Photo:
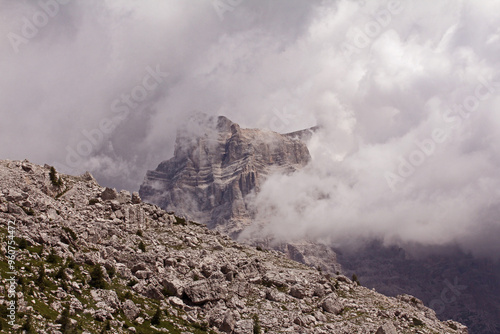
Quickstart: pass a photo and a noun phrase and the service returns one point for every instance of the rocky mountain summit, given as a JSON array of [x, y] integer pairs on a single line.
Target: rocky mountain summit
[[217, 167], [87, 259], [217, 164]]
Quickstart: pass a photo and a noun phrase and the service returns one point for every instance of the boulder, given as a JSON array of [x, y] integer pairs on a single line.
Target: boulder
[[173, 286], [154, 293], [143, 274], [130, 310], [245, 326], [275, 296], [332, 305], [387, 328], [204, 291], [136, 199], [298, 291], [108, 297], [109, 194], [228, 323]]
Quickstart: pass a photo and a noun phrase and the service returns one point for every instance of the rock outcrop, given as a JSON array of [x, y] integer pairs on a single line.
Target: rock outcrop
[[87, 264], [455, 284], [216, 166]]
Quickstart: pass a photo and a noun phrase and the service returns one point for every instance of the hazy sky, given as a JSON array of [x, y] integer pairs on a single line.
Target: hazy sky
[[407, 93]]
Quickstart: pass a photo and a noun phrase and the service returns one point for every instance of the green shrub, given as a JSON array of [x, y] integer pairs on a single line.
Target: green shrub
[[180, 221], [142, 246], [40, 280], [60, 274], [166, 292], [97, 278], [3, 311], [64, 321], [70, 263], [139, 233], [70, 232], [256, 324], [23, 244], [28, 325], [111, 272], [93, 201], [28, 211], [417, 322], [52, 257], [107, 327], [155, 320], [355, 279], [202, 327], [53, 177]]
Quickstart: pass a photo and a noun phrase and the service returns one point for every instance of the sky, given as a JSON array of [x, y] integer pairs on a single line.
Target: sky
[[407, 94]]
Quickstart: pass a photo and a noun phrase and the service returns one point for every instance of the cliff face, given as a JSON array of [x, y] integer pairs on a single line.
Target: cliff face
[[217, 164], [91, 260], [216, 168], [455, 284], [212, 171]]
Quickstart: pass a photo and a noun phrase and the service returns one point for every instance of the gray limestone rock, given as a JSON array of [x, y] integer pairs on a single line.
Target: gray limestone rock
[[211, 173], [173, 286], [200, 292], [332, 305], [228, 323], [136, 199], [387, 328], [257, 297], [130, 310], [109, 194]]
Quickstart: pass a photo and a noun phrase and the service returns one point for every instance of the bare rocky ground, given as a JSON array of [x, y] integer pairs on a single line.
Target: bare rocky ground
[[91, 260]]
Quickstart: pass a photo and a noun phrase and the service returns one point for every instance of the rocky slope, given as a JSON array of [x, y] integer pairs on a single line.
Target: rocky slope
[[215, 167], [198, 179], [88, 259], [455, 284]]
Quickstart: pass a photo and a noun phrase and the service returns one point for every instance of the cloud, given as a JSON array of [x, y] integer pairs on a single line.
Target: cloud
[[72, 68], [387, 80], [408, 149]]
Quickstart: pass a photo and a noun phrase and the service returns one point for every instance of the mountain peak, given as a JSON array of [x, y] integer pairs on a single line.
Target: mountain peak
[[217, 164]]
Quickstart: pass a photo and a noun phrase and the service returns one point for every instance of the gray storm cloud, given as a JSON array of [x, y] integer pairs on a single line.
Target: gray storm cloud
[[407, 94], [408, 150]]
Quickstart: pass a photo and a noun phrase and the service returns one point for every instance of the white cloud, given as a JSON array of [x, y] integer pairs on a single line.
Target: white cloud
[[281, 65]]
